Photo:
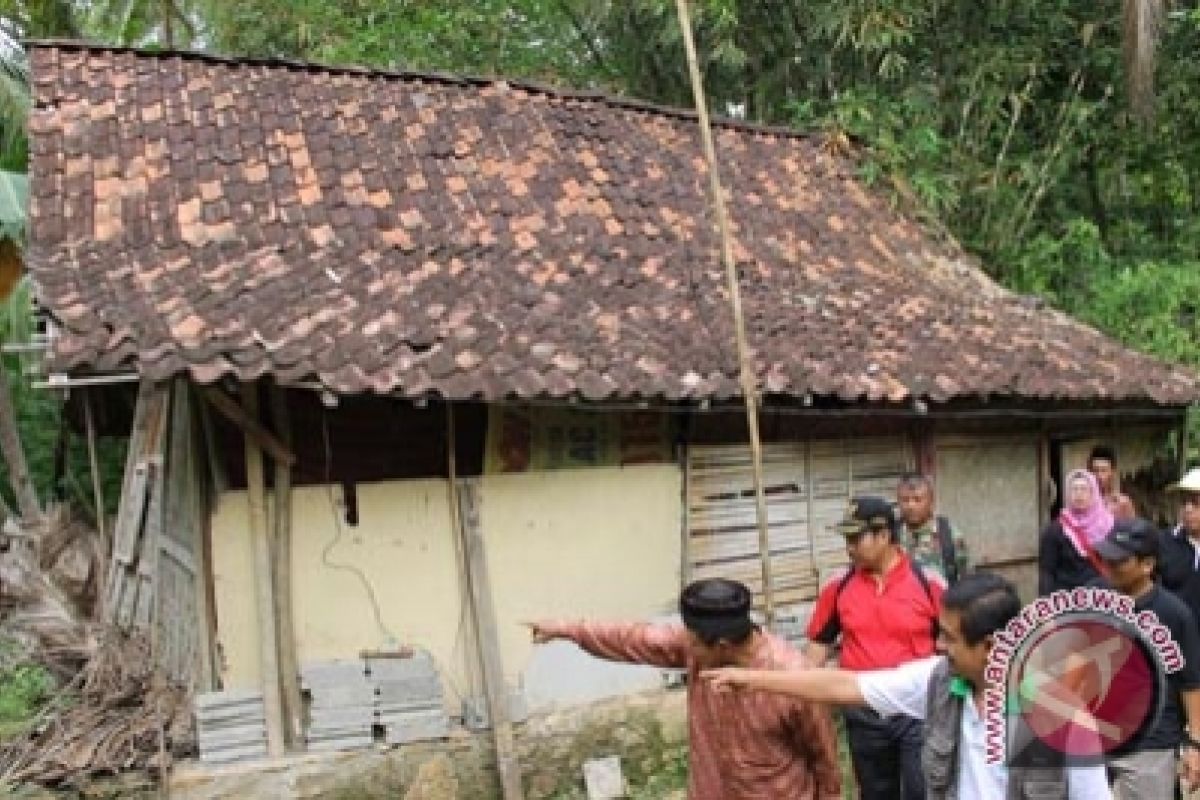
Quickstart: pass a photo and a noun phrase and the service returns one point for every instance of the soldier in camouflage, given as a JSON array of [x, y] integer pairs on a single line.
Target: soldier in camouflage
[[928, 538]]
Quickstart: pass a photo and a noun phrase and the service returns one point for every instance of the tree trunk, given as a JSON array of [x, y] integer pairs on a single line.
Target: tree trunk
[[14, 457]]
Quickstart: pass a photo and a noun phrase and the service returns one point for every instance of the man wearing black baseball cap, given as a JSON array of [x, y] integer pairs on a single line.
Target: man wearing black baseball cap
[[883, 609], [740, 750], [1147, 769]]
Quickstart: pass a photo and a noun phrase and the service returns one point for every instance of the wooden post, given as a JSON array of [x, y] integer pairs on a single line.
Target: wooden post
[[924, 449], [1183, 444], [218, 480], [464, 517], [260, 536], [1043, 474], [749, 382], [94, 465], [282, 562]]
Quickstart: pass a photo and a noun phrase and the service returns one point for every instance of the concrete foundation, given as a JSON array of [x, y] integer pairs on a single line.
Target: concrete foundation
[[643, 730]]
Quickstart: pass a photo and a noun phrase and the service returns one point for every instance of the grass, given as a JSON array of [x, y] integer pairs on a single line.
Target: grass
[[672, 777]]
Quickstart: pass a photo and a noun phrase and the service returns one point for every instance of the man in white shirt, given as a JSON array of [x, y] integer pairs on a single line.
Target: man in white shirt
[[948, 693]]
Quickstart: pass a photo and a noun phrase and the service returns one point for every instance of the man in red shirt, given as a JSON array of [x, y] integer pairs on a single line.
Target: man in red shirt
[[741, 747], [884, 609]]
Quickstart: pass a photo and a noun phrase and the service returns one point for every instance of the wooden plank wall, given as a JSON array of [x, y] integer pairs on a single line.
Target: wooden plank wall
[[808, 484], [155, 577]]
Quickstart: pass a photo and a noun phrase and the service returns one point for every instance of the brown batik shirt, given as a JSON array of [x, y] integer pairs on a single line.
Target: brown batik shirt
[[743, 745]]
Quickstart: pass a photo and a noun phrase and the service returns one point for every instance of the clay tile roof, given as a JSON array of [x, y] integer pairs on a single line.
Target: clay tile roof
[[387, 232]]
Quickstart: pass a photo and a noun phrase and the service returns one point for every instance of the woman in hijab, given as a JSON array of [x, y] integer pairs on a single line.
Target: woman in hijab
[[1066, 558]]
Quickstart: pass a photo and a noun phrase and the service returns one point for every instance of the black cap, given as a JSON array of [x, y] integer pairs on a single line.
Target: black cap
[[1129, 537], [865, 513], [717, 608]]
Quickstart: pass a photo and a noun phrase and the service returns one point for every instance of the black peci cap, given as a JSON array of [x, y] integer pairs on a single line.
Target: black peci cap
[[717, 608]]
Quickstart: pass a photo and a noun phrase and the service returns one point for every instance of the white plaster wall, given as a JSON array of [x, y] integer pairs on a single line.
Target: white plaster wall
[[599, 542], [402, 546]]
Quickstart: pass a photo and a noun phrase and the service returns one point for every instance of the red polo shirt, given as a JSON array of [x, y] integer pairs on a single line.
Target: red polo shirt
[[882, 623]]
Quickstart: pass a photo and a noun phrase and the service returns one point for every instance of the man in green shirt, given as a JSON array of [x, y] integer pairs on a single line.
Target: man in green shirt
[[929, 539]]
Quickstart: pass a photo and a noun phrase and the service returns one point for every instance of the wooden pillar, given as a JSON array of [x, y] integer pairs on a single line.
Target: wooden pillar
[[464, 516], [282, 562], [1043, 474], [264, 594], [924, 449], [94, 467]]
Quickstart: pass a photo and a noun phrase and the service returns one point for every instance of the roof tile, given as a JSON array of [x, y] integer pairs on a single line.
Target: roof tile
[[404, 233]]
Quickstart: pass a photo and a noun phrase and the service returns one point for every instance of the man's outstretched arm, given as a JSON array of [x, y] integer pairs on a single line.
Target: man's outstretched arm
[[635, 643], [837, 686]]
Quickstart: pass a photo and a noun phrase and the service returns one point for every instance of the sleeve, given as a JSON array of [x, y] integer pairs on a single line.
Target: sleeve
[[815, 738], [1088, 783], [824, 626], [962, 550], [640, 643], [902, 690], [937, 588], [1047, 560], [1188, 638], [1172, 571]]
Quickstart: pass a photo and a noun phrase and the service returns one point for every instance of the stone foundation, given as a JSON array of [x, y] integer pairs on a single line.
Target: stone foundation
[[644, 730]]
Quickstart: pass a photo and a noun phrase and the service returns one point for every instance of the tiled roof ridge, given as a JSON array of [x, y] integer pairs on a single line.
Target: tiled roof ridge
[[445, 78]]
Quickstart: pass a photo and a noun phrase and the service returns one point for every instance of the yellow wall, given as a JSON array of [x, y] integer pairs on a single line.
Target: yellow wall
[[602, 542]]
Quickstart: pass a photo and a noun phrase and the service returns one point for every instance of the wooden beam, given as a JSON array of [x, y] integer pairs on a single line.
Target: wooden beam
[[265, 594], [218, 480], [94, 466], [1043, 475], [464, 517], [241, 416], [282, 563]]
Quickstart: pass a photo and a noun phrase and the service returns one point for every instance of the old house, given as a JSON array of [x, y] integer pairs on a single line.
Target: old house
[[383, 280]]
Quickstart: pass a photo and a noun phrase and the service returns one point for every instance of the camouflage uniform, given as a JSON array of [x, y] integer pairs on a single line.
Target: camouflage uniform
[[925, 548]]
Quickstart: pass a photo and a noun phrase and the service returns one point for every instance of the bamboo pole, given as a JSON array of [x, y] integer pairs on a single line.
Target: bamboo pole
[[749, 383], [94, 465], [483, 619], [265, 600], [282, 563]]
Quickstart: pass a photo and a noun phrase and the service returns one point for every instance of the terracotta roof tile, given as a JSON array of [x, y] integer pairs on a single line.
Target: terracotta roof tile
[[383, 232]]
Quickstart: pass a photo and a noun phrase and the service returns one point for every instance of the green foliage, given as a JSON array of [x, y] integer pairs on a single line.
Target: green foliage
[[25, 687], [14, 196], [671, 777], [57, 459], [1152, 305]]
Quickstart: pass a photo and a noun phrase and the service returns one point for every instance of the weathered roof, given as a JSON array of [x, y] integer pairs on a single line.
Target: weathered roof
[[407, 233]]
